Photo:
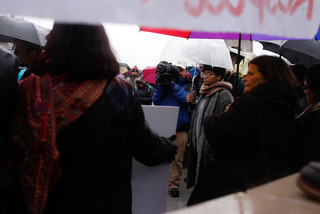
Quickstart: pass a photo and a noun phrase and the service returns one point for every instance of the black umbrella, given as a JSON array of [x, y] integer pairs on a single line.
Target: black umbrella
[[18, 28], [304, 52], [272, 45]]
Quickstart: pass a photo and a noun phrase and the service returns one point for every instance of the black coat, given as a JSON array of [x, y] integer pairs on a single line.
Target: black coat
[[144, 94], [307, 139], [96, 154], [240, 86], [253, 139]]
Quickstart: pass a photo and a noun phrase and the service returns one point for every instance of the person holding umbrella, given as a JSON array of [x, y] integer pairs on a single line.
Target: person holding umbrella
[[252, 141], [67, 130], [215, 97]]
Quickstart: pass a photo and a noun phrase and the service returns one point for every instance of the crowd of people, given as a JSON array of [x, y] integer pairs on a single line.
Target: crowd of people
[[62, 149]]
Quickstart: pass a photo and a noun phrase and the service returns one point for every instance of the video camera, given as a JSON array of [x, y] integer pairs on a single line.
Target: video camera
[[166, 73]]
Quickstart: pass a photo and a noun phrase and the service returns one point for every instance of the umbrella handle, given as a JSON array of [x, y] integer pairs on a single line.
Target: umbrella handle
[[192, 85]]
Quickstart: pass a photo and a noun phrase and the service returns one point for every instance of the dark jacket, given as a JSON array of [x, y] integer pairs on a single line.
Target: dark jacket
[[96, 154], [175, 95], [8, 87], [198, 81], [255, 137], [144, 94], [307, 128], [240, 86]]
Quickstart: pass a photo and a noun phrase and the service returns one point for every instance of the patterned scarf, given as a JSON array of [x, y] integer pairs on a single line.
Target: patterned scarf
[[208, 90], [47, 106]]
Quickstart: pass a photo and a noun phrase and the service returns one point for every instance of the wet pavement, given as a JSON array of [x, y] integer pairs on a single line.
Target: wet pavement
[[181, 201]]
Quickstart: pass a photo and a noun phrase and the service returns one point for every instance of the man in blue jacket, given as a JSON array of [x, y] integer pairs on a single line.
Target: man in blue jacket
[[174, 93]]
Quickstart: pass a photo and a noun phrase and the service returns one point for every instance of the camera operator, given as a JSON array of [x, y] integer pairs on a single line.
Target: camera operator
[[172, 90]]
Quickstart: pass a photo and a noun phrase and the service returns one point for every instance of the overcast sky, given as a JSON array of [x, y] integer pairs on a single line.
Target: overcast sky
[[131, 46]]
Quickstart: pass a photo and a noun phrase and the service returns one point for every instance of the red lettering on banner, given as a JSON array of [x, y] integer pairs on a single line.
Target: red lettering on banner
[[238, 10], [144, 2], [298, 3]]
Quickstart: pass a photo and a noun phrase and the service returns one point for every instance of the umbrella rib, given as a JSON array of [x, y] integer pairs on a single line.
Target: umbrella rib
[[189, 34]]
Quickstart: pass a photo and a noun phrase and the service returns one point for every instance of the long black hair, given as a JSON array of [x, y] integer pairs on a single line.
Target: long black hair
[[80, 51]]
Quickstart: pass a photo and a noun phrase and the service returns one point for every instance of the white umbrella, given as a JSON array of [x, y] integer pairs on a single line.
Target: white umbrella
[[193, 51]]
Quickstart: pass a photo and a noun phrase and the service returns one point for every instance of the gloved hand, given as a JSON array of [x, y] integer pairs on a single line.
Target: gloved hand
[[173, 148], [172, 138], [157, 78]]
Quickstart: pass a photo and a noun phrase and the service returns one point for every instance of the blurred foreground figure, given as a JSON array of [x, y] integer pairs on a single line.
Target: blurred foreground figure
[[253, 140], [8, 88], [71, 153]]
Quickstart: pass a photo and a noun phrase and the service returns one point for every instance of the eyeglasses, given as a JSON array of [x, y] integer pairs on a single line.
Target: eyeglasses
[[207, 74]]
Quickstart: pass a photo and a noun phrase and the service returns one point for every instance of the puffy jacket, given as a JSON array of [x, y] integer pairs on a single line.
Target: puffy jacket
[[175, 95], [144, 94]]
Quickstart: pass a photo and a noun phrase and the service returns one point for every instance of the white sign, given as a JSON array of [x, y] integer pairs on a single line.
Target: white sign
[[150, 184], [288, 18]]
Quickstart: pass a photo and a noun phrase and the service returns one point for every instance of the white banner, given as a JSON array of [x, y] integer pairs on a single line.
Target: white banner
[[289, 18]]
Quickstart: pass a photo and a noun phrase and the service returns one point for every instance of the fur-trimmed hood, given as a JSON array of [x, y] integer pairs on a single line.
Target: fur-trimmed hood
[[137, 81]]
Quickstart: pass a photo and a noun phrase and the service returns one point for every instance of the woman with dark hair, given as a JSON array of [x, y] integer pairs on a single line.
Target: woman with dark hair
[[251, 141], [215, 96], [67, 130], [307, 124]]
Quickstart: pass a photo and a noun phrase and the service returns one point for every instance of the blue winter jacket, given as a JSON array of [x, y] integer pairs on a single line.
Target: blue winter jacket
[[173, 96]]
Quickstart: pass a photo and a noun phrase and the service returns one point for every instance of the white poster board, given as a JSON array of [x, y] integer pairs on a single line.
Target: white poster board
[[150, 184]]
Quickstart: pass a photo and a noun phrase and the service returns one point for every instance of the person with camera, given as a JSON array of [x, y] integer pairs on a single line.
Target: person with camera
[[172, 90]]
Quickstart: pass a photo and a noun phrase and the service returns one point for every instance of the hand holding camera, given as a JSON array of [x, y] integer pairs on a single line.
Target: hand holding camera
[[166, 73]]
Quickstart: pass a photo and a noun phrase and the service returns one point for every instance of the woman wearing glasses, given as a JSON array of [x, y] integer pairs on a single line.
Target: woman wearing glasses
[[307, 124], [214, 98], [253, 140]]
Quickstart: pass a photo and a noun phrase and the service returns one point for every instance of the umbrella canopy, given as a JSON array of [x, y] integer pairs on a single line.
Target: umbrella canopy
[[149, 74], [194, 51], [18, 28], [304, 52], [298, 19], [235, 51], [272, 45], [190, 34]]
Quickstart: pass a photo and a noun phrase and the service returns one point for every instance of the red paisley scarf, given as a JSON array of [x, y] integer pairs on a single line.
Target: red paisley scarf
[[46, 107]]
